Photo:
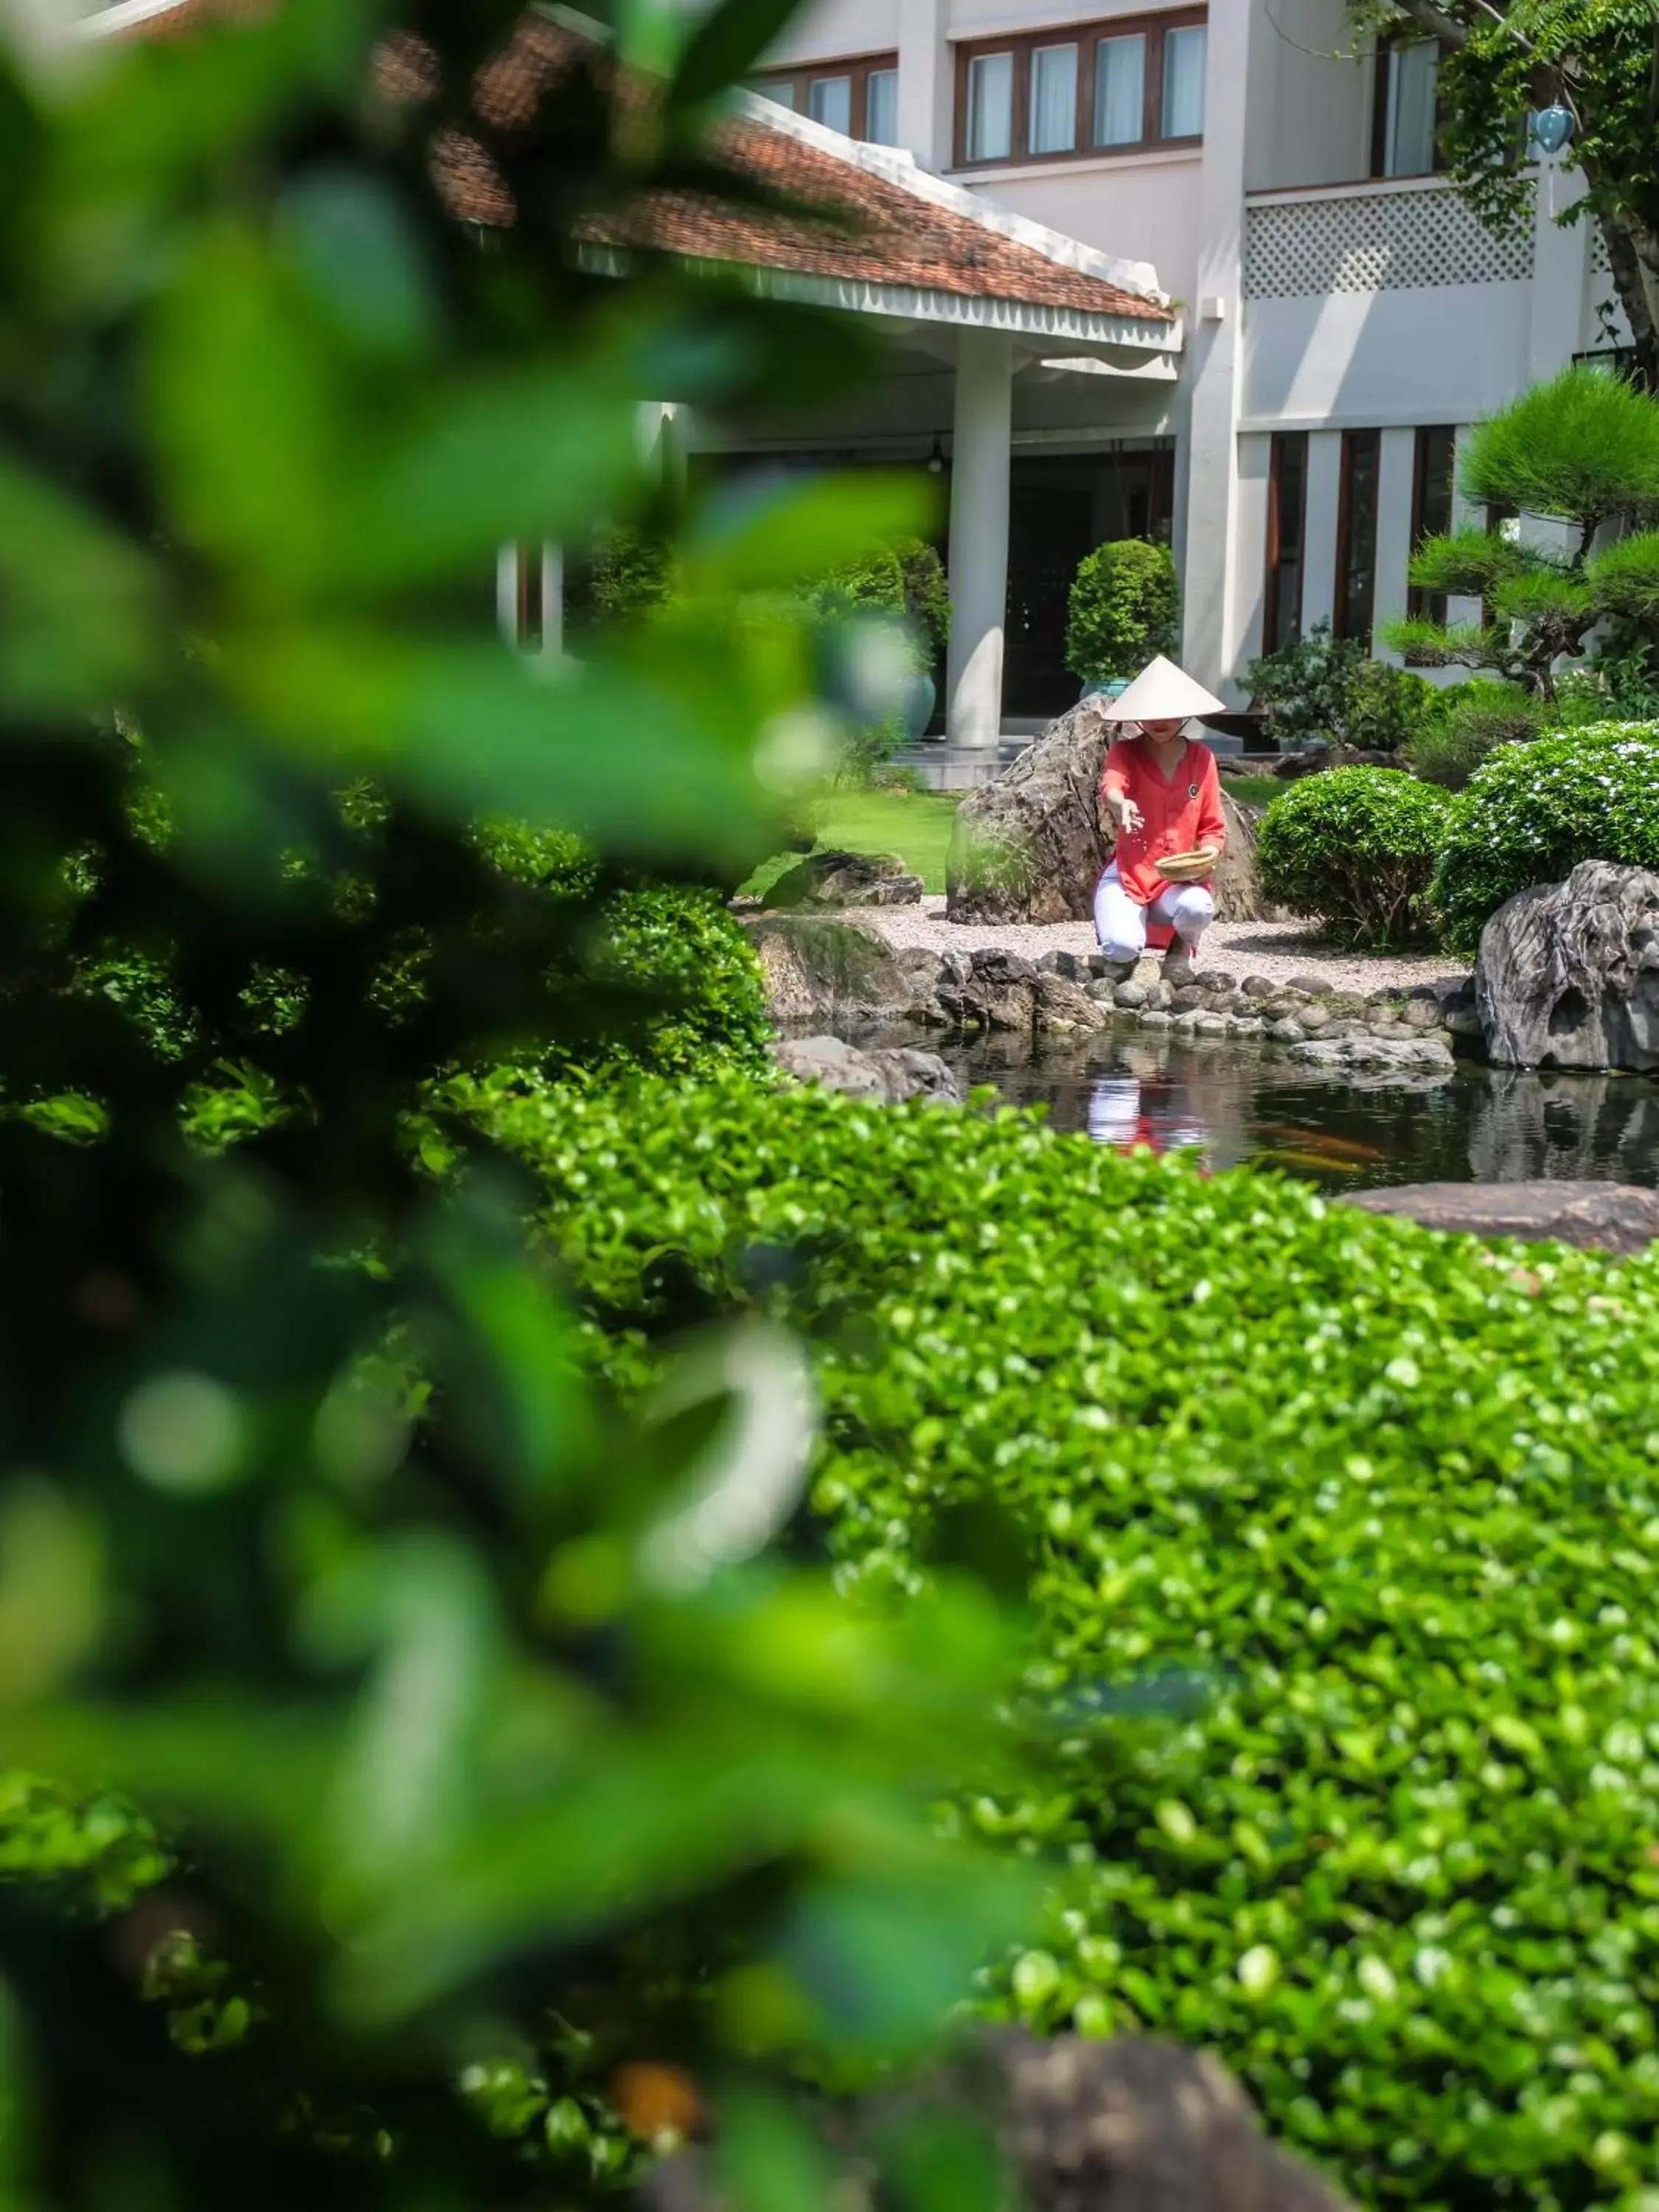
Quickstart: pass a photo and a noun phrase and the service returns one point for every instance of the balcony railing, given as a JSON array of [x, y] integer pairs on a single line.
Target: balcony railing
[[1374, 238]]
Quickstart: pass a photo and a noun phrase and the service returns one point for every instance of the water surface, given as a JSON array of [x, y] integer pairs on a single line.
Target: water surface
[[1239, 1102]]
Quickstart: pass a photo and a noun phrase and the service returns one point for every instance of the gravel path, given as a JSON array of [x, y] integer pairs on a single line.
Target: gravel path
[[1277, 950]]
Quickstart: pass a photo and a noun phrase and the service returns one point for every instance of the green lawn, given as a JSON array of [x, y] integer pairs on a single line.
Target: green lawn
[[1255, 790], [916, 824]]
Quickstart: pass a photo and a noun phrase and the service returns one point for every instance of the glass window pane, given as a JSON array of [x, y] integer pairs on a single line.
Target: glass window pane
[[881, 107], [1054, 99], [1184, 52], [1120, 91], [1411, 72], [830, 101], [990, 107], [779, 89], [1356, 581]]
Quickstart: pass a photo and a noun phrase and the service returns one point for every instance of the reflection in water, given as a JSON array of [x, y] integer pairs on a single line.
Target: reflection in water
[[1240, 1104]]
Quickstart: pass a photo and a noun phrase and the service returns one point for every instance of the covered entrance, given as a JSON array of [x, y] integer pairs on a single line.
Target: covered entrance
[[1060, 507]]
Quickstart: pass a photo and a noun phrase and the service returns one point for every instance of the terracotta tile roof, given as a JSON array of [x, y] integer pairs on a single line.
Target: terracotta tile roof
[[873, 229]]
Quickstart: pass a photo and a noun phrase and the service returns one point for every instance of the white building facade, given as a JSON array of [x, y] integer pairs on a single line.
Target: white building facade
[[1344, 317]]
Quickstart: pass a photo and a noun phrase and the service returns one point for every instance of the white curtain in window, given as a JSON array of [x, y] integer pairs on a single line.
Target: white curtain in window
[[1412, 72], [830, 101], [1184, 54], [1054, 99], [881, 107], [1120, 91], [990, 107]]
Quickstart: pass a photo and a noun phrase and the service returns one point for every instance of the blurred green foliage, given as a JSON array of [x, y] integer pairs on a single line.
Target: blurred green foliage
[[492, 1750], [1345, 1531]]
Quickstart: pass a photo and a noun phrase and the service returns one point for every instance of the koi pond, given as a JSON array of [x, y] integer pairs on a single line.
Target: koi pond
[[1241, 1103]]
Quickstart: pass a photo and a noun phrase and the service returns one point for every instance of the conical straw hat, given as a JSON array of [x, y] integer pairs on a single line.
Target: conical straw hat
[[1162, 693]]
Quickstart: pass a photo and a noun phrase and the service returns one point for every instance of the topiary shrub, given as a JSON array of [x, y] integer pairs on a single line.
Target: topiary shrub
[[1388, 710], [1346, 1546], [1478, 717], [1125, 607], [1531, 812], [629, 576], [926, 595], [1355, 849]]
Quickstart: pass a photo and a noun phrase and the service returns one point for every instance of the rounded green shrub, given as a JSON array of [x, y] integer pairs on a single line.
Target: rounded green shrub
[[1354, 849], [1125, 607], [673, 953], [629, 575], [1346, 1543], [1531, 812], [1478, 717], [926, 595]]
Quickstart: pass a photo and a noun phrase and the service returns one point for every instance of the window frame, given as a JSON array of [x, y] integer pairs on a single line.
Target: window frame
[[1381, 73], [860, 68], [1345, 536], [1422, 605], [1274, 554], [1086, 38]]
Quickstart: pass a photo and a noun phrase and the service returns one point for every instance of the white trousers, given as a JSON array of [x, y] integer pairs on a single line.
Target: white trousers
[[1121, 925]]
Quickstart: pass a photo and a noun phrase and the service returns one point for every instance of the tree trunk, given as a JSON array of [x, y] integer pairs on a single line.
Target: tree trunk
[[1633, 254]]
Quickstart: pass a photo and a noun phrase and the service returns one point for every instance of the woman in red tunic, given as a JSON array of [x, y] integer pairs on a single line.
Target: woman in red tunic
[[1162, 792]]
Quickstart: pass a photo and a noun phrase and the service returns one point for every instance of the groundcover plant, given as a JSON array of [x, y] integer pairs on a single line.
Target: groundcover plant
[[1352, 1531]]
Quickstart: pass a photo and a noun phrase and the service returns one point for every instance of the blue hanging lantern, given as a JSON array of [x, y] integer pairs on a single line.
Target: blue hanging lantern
[[1551, 127]]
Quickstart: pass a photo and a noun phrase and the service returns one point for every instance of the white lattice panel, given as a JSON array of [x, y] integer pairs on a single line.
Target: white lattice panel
[[1375, 242], [1599, 265]]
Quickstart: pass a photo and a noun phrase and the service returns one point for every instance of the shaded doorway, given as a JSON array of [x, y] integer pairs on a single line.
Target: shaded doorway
[[1060, 507]]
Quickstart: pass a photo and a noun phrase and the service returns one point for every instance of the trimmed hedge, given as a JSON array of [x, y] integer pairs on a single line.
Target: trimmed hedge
[[1125, 606], [1531, 812], [1348, 1551], [1355, 849]]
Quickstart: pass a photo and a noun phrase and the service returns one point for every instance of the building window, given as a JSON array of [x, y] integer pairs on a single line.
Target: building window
[[1052, 127], [1287, 517], [1356, 536], [859, 98], [881, 107], [1405, 109], [1432, 465], [1115, 87]]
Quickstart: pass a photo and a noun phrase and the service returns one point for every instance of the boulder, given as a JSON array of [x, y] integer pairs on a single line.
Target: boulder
[[1605, 1217], [892, 1074], [837, 880], [1374, 1052], [1568, 975], [1130, 2125], [817, 968], [1029, 845], [990, 989], [1063, 1005]]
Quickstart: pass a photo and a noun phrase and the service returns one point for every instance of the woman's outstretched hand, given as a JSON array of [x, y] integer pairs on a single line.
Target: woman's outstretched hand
[[1129, 816]]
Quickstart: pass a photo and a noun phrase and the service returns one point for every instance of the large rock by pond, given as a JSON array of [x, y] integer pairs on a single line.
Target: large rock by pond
[[1568, 975], [842, 879], [1130, 2125], [1029, 845], [836, 970], [1605, 1217], [891, 1074]]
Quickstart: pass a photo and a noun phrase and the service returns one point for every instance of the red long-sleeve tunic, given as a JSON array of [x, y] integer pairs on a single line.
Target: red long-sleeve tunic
[[1177, 812]]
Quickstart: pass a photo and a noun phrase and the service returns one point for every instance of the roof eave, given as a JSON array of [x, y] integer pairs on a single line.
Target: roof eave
[[914, 303]]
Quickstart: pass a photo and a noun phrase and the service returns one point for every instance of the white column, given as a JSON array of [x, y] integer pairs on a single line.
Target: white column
[[1250, 546], [925, 78], [1561, 259], [1209, 429], [1319, 531], [1466, 515], [982, 441], [1396, 470]]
